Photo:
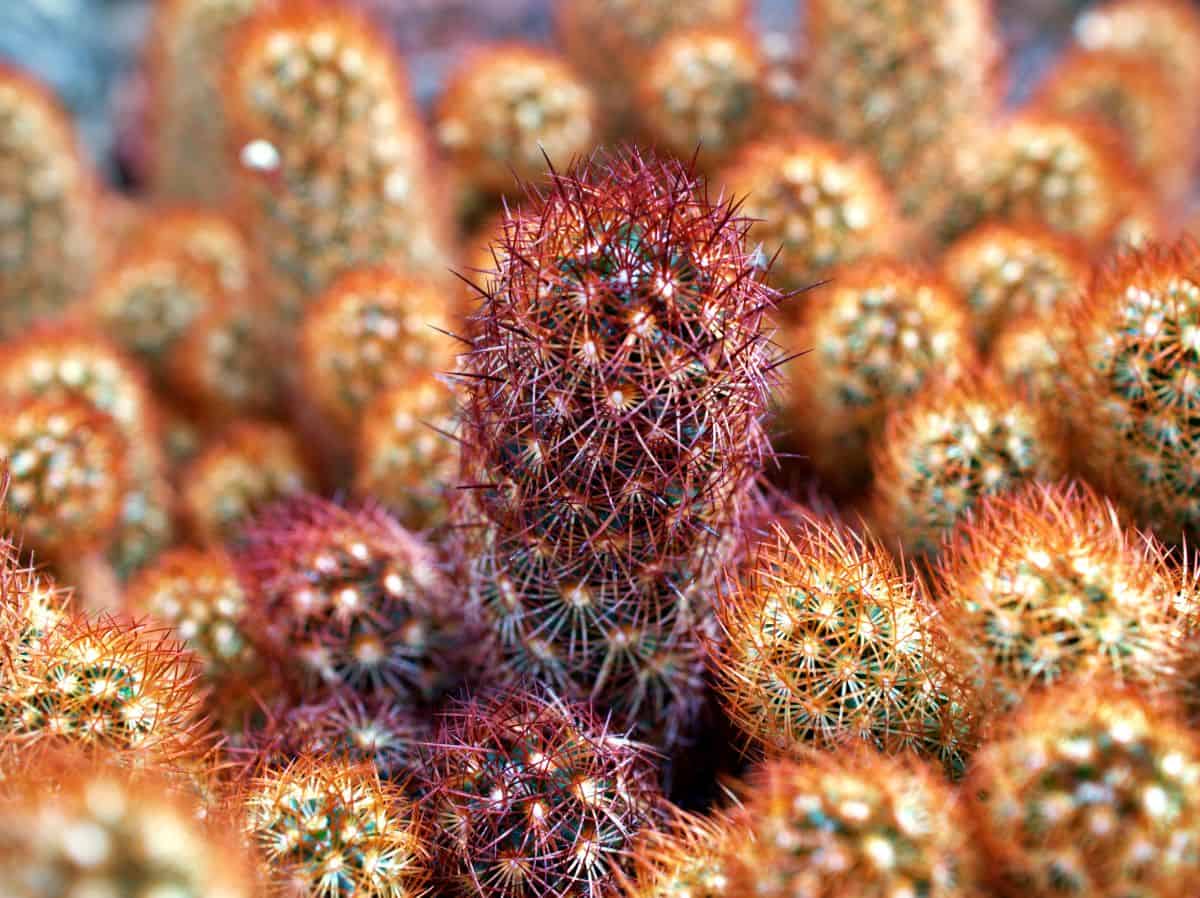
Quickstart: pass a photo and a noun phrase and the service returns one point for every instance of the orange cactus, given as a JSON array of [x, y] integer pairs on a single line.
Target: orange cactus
[[330, 827], [610, 40], [50, 242], [1005, 272], [189, 131], [107, 687], [508, 109], [32, 606], [816, 204], [950, 446], [1134, 96], [852, 824], [371, 330], [1058, 172], [913, 84], [1047, 582], [1134, 371], [1028, 354], [685, 857], [240, 472], [407, 454], [827, 643], [703, 92], [334, 170], [70, 825], [1089, 789], [872, 337]]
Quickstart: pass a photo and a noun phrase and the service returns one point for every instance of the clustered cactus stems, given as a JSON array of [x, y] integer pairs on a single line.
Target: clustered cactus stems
[[703, 93], [685, 856], [611, 40], [1134, 367], [369, 331], [223, 366], [245, 469], [335, 172], [1059, 172], [951, 445], [1005, 272], [855, 823], [73, 826], [32, 606], [507, 110], [875, 334], [407, 454], [1047, 582], [815, 204], [189, 132], [1027, 354], [1089, 789], [913, 84], [68, 466], [531, 798], [347, 597], [327, 826], [827, 643], [613, 405], [1135, 97], [50, 243], [106, 687], [342, 724]]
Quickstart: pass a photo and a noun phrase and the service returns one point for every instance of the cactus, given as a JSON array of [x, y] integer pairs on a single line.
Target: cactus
[[1027, 354], [329, 827], [875, 334], [222, 367], [611, 40], [69, 474], [49, 237], [703, 93], [407, 456], [334, 170], [199, 595], [73, 363], [1089, 789], [509, 108], [828, 643], [237, 474], [189, 132], [342, 725], [1135, 97], [32, 606], [815, 204], [348, 597], [912, 83], [856, 823], [1047, 582], [369, 331], [612, 427], [109, 688], [1058, 172], [532, 799], [1005, 272], [1133, 368], [951, 445], [70, 826], [685, 857]]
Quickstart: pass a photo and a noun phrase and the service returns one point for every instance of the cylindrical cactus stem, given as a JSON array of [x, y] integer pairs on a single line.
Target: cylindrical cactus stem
[[613, 409], [189, 133], [911, 82], [50, 242], [333, 168]]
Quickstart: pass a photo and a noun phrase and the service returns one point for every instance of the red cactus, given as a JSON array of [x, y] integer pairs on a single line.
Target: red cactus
[[532, 799], [348, 597]]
